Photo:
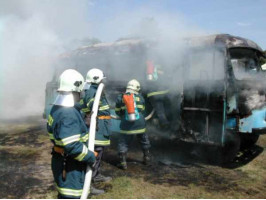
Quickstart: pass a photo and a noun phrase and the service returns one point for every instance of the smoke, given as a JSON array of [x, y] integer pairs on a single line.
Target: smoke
[[33, 33], [251, 95]]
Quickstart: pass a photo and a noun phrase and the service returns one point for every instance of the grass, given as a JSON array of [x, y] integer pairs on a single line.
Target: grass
[[247, 181], [51, 194], [26, 152], [137, 188], [9, 128], [19, 152], [121, 187], [43, 138], [138, 182]]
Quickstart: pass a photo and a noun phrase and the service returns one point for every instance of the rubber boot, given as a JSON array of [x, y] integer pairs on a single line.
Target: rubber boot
[[146, 157], [101, 179], [122, 161], [95, 191]]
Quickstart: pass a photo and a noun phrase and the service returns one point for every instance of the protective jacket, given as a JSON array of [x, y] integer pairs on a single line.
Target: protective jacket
[[131, 127], [156, 91], [69, 134], [156, 94], [103, 132]]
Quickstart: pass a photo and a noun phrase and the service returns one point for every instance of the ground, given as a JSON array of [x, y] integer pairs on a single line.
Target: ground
[[178, 170]]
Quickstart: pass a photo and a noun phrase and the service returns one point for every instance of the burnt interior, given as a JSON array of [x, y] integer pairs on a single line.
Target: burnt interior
[[203, 96], [249, 80], [202, 111]]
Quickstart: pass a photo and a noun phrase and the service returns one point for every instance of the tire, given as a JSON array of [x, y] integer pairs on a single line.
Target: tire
[[248, 140]]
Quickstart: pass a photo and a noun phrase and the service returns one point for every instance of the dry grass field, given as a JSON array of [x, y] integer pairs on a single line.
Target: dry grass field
[[176, 171]]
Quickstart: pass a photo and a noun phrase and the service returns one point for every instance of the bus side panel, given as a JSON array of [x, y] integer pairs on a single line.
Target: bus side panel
[[50, 95], [202, 111], [256, 122]]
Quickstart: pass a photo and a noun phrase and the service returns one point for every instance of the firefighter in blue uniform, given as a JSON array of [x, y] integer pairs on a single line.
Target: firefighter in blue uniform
[[68, 132], [102, 139], [130, 127], [157, 92]]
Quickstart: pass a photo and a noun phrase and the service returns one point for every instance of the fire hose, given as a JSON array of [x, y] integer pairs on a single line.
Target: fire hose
[[88, 176]]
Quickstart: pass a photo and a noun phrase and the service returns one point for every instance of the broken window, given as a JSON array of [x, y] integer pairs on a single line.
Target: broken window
[[206, 64], [245, 64]]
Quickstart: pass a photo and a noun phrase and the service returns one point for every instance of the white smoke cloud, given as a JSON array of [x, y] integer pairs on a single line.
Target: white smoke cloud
[[33, 33]]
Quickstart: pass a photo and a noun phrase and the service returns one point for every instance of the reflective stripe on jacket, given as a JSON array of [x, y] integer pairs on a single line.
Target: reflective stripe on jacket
[[66, 129], [129, 127], [102, 137]]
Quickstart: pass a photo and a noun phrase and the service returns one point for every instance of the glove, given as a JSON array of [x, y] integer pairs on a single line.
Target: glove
[[92, 165], [88, 119]]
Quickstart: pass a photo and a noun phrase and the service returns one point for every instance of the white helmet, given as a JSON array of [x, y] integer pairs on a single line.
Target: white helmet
[[94, 76], [70, 81], [133, 85]]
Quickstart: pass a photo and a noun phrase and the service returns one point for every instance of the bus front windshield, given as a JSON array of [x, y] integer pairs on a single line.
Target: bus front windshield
[[245, 64]]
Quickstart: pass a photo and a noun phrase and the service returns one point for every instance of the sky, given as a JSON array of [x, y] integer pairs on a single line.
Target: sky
[[34, 32], [245, 18], [110, 19]]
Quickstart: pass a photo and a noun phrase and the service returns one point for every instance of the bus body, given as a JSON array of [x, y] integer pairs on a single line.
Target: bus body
[[222, 85], [223, 92]]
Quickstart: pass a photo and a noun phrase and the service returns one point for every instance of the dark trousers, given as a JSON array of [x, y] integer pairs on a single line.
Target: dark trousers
[[100, 151], [126, 139], [71, 186], [158, 105]]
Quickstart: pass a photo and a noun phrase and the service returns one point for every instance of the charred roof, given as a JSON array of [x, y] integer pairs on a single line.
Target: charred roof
[[120, 44], [227, 40]]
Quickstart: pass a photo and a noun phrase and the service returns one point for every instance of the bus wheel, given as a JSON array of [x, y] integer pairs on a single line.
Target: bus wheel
[[231, 147], [248, 140]]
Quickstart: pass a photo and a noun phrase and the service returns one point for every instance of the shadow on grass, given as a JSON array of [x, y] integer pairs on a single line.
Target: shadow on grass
[[172, 152], [244, 157], [16, 184], [20, 173], [175, 173], [16, 173], [27, 137], [183, 164]]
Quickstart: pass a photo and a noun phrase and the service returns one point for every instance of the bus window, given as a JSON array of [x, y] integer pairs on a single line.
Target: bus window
[[245, 68], [206, 64]]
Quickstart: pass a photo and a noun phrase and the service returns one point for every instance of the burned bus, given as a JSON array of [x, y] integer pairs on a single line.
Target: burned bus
[[224, 89], [216, 84], [119, 60]]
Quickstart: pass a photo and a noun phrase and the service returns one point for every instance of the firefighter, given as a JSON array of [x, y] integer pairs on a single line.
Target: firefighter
[[130, 106], [157, 92], [68, 133], [102, 138]]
